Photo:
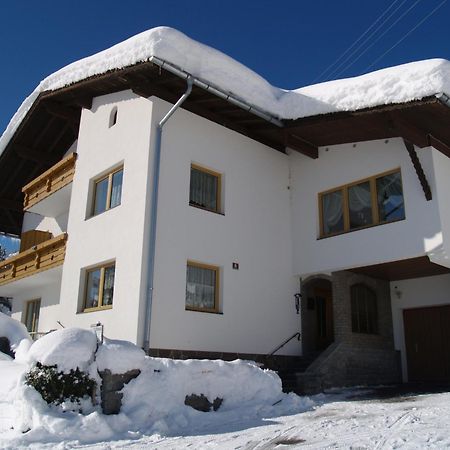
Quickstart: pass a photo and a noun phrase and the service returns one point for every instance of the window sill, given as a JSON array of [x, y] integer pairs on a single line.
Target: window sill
[[98, 308], [103, 212], [208, 311], [339, 233], [206, 209]]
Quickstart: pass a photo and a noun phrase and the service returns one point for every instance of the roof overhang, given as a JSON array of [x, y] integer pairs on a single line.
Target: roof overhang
[[51, 126]]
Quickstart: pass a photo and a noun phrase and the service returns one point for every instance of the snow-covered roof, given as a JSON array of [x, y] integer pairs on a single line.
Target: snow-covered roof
[[398, 84]]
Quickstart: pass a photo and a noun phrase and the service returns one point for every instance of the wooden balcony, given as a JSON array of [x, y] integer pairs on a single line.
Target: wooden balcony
[[36, 259], [51, 181]]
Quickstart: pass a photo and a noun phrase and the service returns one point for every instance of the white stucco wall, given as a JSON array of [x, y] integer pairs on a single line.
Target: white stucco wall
[[48, 293], [256, 301], [441, 254], [55, 225], [417, 235], [116, 234], [415, 293]]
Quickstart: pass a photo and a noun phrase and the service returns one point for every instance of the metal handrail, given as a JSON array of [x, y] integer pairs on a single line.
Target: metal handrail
[[297, 335]]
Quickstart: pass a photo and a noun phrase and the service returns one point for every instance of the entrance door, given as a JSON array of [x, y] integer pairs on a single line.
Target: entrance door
[[324, 316], [427, 339]]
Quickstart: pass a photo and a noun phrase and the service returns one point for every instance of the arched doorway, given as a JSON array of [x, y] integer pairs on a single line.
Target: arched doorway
[[317, 315]]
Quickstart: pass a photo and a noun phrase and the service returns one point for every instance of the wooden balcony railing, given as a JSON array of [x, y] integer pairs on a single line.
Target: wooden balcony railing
[[55, 178], [41, 257]]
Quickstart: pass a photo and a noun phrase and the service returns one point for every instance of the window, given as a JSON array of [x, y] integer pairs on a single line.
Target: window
[[113, 117], [373, 201], [204, 190], [99, 287], [32, 315], [202, 284], [364, 309], [108, 192]]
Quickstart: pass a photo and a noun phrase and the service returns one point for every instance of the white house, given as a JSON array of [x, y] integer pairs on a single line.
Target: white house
[[227, 224]]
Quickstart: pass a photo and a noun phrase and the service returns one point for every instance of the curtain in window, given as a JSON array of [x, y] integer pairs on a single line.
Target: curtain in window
[[108, 286], [333, 215], [203, 189], [200, 287], [116, 190], [360, 205], [390, 197]]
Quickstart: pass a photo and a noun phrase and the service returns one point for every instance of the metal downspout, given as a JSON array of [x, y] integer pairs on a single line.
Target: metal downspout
[[154, 212]]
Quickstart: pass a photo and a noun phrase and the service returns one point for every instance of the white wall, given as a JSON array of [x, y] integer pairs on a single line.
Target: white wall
[[419, 292], [257, 300], [50, 308], [441, 253], [116, 234], [55, 225], [418, 234]]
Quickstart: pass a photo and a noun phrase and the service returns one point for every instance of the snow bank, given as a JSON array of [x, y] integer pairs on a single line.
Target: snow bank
[[153, 403], [13, 330], [398, 84], [119, 356], [67, 349]]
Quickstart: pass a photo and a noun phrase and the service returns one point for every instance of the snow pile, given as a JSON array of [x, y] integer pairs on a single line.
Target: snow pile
[[67, 349], [153, 402], [15, 331], [398, 84], [119, 356]]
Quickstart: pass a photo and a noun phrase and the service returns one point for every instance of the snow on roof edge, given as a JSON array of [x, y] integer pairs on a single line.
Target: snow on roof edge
[[399, 84]]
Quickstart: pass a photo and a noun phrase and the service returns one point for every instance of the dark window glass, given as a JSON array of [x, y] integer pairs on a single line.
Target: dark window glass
[[360, 205], [332, 210], [101, 195], [32, 315], [364, 309], [93, 289], [201, 288], [390, 197], [203, 190], [116, 190]]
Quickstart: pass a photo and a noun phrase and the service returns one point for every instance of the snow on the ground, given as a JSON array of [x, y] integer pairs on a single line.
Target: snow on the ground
[[336, 420], [13, 330], [153, 402], [393, 85]]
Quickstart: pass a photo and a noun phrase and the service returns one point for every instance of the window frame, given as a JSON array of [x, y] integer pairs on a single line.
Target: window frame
[[345, 204], [102, 268], [216, 269], [109, 176], [35, 323], [217, 175], [358, 301]]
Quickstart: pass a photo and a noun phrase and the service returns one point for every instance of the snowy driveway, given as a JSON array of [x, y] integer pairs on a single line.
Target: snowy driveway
[[414, 422]]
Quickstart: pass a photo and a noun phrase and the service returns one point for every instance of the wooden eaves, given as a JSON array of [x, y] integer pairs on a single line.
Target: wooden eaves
[[51, 126]]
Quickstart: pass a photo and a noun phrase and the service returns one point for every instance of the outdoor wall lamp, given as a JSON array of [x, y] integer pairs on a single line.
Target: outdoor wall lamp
[[297, 298]]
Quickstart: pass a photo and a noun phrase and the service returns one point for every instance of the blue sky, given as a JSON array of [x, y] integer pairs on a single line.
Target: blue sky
[[290, 43]]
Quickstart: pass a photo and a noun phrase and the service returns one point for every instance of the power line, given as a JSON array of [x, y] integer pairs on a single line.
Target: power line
[[406, 35], [357, 40], [337, 73]]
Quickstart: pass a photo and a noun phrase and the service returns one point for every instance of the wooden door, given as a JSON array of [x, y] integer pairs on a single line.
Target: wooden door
[[324, 317], [427, 339]]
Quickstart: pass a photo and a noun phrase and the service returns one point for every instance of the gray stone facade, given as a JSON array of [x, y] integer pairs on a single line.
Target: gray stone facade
[[355, 358]]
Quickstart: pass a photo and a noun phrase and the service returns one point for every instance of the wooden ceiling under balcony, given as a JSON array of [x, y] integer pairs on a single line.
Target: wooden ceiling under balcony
[[51, 126]]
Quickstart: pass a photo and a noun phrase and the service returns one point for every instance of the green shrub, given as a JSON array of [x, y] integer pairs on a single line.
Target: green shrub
[[57, 387]]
